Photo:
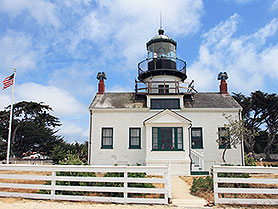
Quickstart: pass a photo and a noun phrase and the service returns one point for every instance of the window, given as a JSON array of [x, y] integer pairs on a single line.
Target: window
[[224, 136], [163, 89], [196, 138], [107, 138], [165, 103], [167, 139], [134, 138]]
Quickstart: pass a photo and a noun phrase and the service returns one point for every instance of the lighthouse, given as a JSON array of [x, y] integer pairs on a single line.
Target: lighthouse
[[162, 71], [165, 120]]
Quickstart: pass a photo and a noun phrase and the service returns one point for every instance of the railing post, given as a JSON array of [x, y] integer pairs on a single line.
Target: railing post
[[53, 185], [125, 185], [215, 185]]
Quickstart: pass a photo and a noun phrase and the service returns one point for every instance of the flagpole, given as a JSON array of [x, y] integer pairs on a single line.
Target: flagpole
[[10, 125]]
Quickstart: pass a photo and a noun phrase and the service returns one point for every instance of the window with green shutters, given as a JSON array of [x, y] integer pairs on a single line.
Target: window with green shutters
[[134, 138], [167, 138]]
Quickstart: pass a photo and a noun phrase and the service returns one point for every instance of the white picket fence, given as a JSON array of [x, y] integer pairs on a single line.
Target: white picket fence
[[163, 177], [259, 175]]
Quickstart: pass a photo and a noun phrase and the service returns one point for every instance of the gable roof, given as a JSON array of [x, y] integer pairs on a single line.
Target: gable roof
[[163, 117], [129, 100], [211, 100]]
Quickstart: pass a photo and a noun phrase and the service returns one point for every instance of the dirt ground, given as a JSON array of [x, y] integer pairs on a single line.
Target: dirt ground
[[18, 203]]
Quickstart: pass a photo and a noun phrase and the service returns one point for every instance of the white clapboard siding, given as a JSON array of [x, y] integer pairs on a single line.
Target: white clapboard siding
[[259, 181], [162, 171]]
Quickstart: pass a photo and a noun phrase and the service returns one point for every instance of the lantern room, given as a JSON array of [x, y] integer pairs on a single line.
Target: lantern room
[[161, 59]]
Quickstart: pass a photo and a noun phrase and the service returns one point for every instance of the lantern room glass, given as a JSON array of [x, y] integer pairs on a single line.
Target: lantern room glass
[[162, 50]]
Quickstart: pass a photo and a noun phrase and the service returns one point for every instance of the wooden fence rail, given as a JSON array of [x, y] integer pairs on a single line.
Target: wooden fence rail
[[261, 181], [44, 178]]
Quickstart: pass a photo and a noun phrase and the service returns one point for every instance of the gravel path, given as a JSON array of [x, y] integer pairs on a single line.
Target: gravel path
[[17, 203]]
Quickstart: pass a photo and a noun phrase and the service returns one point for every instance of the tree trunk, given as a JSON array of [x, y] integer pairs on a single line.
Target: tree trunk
[[223, 154], [249, 144], [270, 141]]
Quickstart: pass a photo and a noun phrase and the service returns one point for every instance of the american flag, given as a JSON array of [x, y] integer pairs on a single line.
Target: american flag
[[8, 81]]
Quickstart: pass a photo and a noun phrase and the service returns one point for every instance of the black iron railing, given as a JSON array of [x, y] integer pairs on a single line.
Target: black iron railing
[[161, 64]]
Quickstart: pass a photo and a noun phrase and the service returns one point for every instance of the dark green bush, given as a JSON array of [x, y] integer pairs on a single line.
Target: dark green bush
[[249, 161], [202, 184]]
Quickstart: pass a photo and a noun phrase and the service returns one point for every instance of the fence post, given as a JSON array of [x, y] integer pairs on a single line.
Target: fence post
[[215, 185], [53, 185], [169, 179], [125, 185]]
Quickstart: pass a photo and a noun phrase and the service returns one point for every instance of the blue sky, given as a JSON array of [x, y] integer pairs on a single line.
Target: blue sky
[[59, 46]]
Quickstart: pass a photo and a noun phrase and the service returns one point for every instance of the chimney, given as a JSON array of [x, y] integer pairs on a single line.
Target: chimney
[[101, 87], [223, 87], [223, 76]]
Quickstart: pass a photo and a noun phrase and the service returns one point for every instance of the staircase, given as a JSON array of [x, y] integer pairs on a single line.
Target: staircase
[[197, 162]]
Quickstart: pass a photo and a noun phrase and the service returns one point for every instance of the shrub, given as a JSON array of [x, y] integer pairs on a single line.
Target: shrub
[[249, 161], [202, 184]]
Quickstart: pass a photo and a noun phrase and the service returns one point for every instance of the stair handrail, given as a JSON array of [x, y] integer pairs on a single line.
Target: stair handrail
[[200, 156]]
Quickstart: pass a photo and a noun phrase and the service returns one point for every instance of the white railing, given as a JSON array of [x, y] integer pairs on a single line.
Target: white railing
[[197, 160], [262, 181], [46, 180]]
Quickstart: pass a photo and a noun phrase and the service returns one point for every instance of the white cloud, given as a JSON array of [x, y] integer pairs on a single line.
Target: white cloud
[[17, 51], [43, 11], [274, 5], [73, 132], [127, 25], [77, 81], [62, 102], [5, 99], [247, 58]]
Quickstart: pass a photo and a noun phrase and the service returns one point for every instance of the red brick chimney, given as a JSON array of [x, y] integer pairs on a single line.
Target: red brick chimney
[[223, 87], [223, 76], [101, 87]]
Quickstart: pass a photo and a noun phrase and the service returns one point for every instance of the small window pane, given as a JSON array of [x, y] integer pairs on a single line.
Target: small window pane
[[155, 138], [196, 133]]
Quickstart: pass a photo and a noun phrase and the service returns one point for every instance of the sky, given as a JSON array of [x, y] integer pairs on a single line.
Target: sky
[[58, 47]]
